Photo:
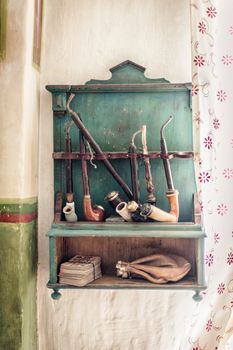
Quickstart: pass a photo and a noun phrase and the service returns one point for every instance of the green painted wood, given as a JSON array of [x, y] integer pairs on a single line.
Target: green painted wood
[[133, 284], [18, 206], [127, 72], [113, 110], [126, 231], [58, 88], [3, 24], [56, 294], [104, 87], [129, 226], [197, 296], [53, 260], [129, 233], [131, 88], [18, 265], [59, 102], [112, 118]]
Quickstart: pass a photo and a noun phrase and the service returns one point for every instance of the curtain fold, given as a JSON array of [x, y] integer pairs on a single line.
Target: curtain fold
[[211, 327]]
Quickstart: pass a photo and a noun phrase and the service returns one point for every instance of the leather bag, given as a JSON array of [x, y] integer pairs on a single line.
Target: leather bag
[[156, 268]]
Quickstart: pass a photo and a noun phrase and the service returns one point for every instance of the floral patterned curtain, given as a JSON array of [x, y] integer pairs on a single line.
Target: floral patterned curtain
[[211, 327]]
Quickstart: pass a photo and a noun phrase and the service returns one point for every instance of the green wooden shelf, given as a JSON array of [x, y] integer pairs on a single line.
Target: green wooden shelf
[[180, 230], [113, 110], [109, 282], [113, 282]]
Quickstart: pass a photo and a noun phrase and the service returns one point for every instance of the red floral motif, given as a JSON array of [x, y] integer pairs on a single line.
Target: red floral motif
[[216, 123], [228, 173], [227, 59], [211, 12], [204, 177], [222, 209], [231, 30], [221, 95], [216, 238], [199, 60], [230, 258], [221, 288], [203, 293], [202, 207], [208, 142], [202, 27], [209, 325], [195, 90], [209, 259], [196, 348], [231, 303], [197, 118]]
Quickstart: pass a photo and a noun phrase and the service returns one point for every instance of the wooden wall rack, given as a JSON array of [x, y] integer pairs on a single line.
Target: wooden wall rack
[[112, 111]]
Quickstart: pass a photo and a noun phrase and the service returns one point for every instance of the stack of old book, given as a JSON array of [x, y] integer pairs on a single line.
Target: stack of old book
[[80, 270]]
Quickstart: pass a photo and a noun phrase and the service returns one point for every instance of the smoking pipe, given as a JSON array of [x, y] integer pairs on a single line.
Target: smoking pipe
[[172, 194], [68, 166], [152, 211], [134, 168], [149, 180], [135, 210], [69, 209], [91, 213], [77, 120]]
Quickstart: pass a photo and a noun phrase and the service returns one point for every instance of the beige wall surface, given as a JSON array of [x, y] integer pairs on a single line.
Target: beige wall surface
[[82, 39], [19, 106]]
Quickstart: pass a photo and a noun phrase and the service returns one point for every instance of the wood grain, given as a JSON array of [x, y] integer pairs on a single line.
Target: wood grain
[[112, 249]]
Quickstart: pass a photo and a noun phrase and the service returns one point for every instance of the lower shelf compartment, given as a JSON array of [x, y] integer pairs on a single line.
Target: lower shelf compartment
[[127, 248], [113, 282]]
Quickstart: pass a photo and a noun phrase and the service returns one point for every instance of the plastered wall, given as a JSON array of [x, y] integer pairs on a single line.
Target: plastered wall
[[19, 114], [82, 39], [19, 105]]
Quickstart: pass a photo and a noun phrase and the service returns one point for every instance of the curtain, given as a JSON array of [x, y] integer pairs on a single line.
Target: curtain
[[211, 327]]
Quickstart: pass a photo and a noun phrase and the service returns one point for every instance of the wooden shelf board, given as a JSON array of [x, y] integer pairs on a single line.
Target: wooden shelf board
[[137, 87], [113, 282], [82, 229]]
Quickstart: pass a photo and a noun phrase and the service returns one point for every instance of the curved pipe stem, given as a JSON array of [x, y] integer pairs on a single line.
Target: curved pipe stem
[[148, 175], [92, 213], [166, 163], [68, 166], [161, 215], [134, 172], [76, 118], [174, 204], [164, 126]]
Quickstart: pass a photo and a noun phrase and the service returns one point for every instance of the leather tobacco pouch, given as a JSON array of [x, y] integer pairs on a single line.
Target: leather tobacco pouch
[[156, 268]]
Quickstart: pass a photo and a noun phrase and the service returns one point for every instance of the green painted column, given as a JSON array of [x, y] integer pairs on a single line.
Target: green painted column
[[3, 17], [18, 265]]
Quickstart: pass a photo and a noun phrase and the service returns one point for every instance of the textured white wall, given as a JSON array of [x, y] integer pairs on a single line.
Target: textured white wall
[[82, 39], [19, 105]]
